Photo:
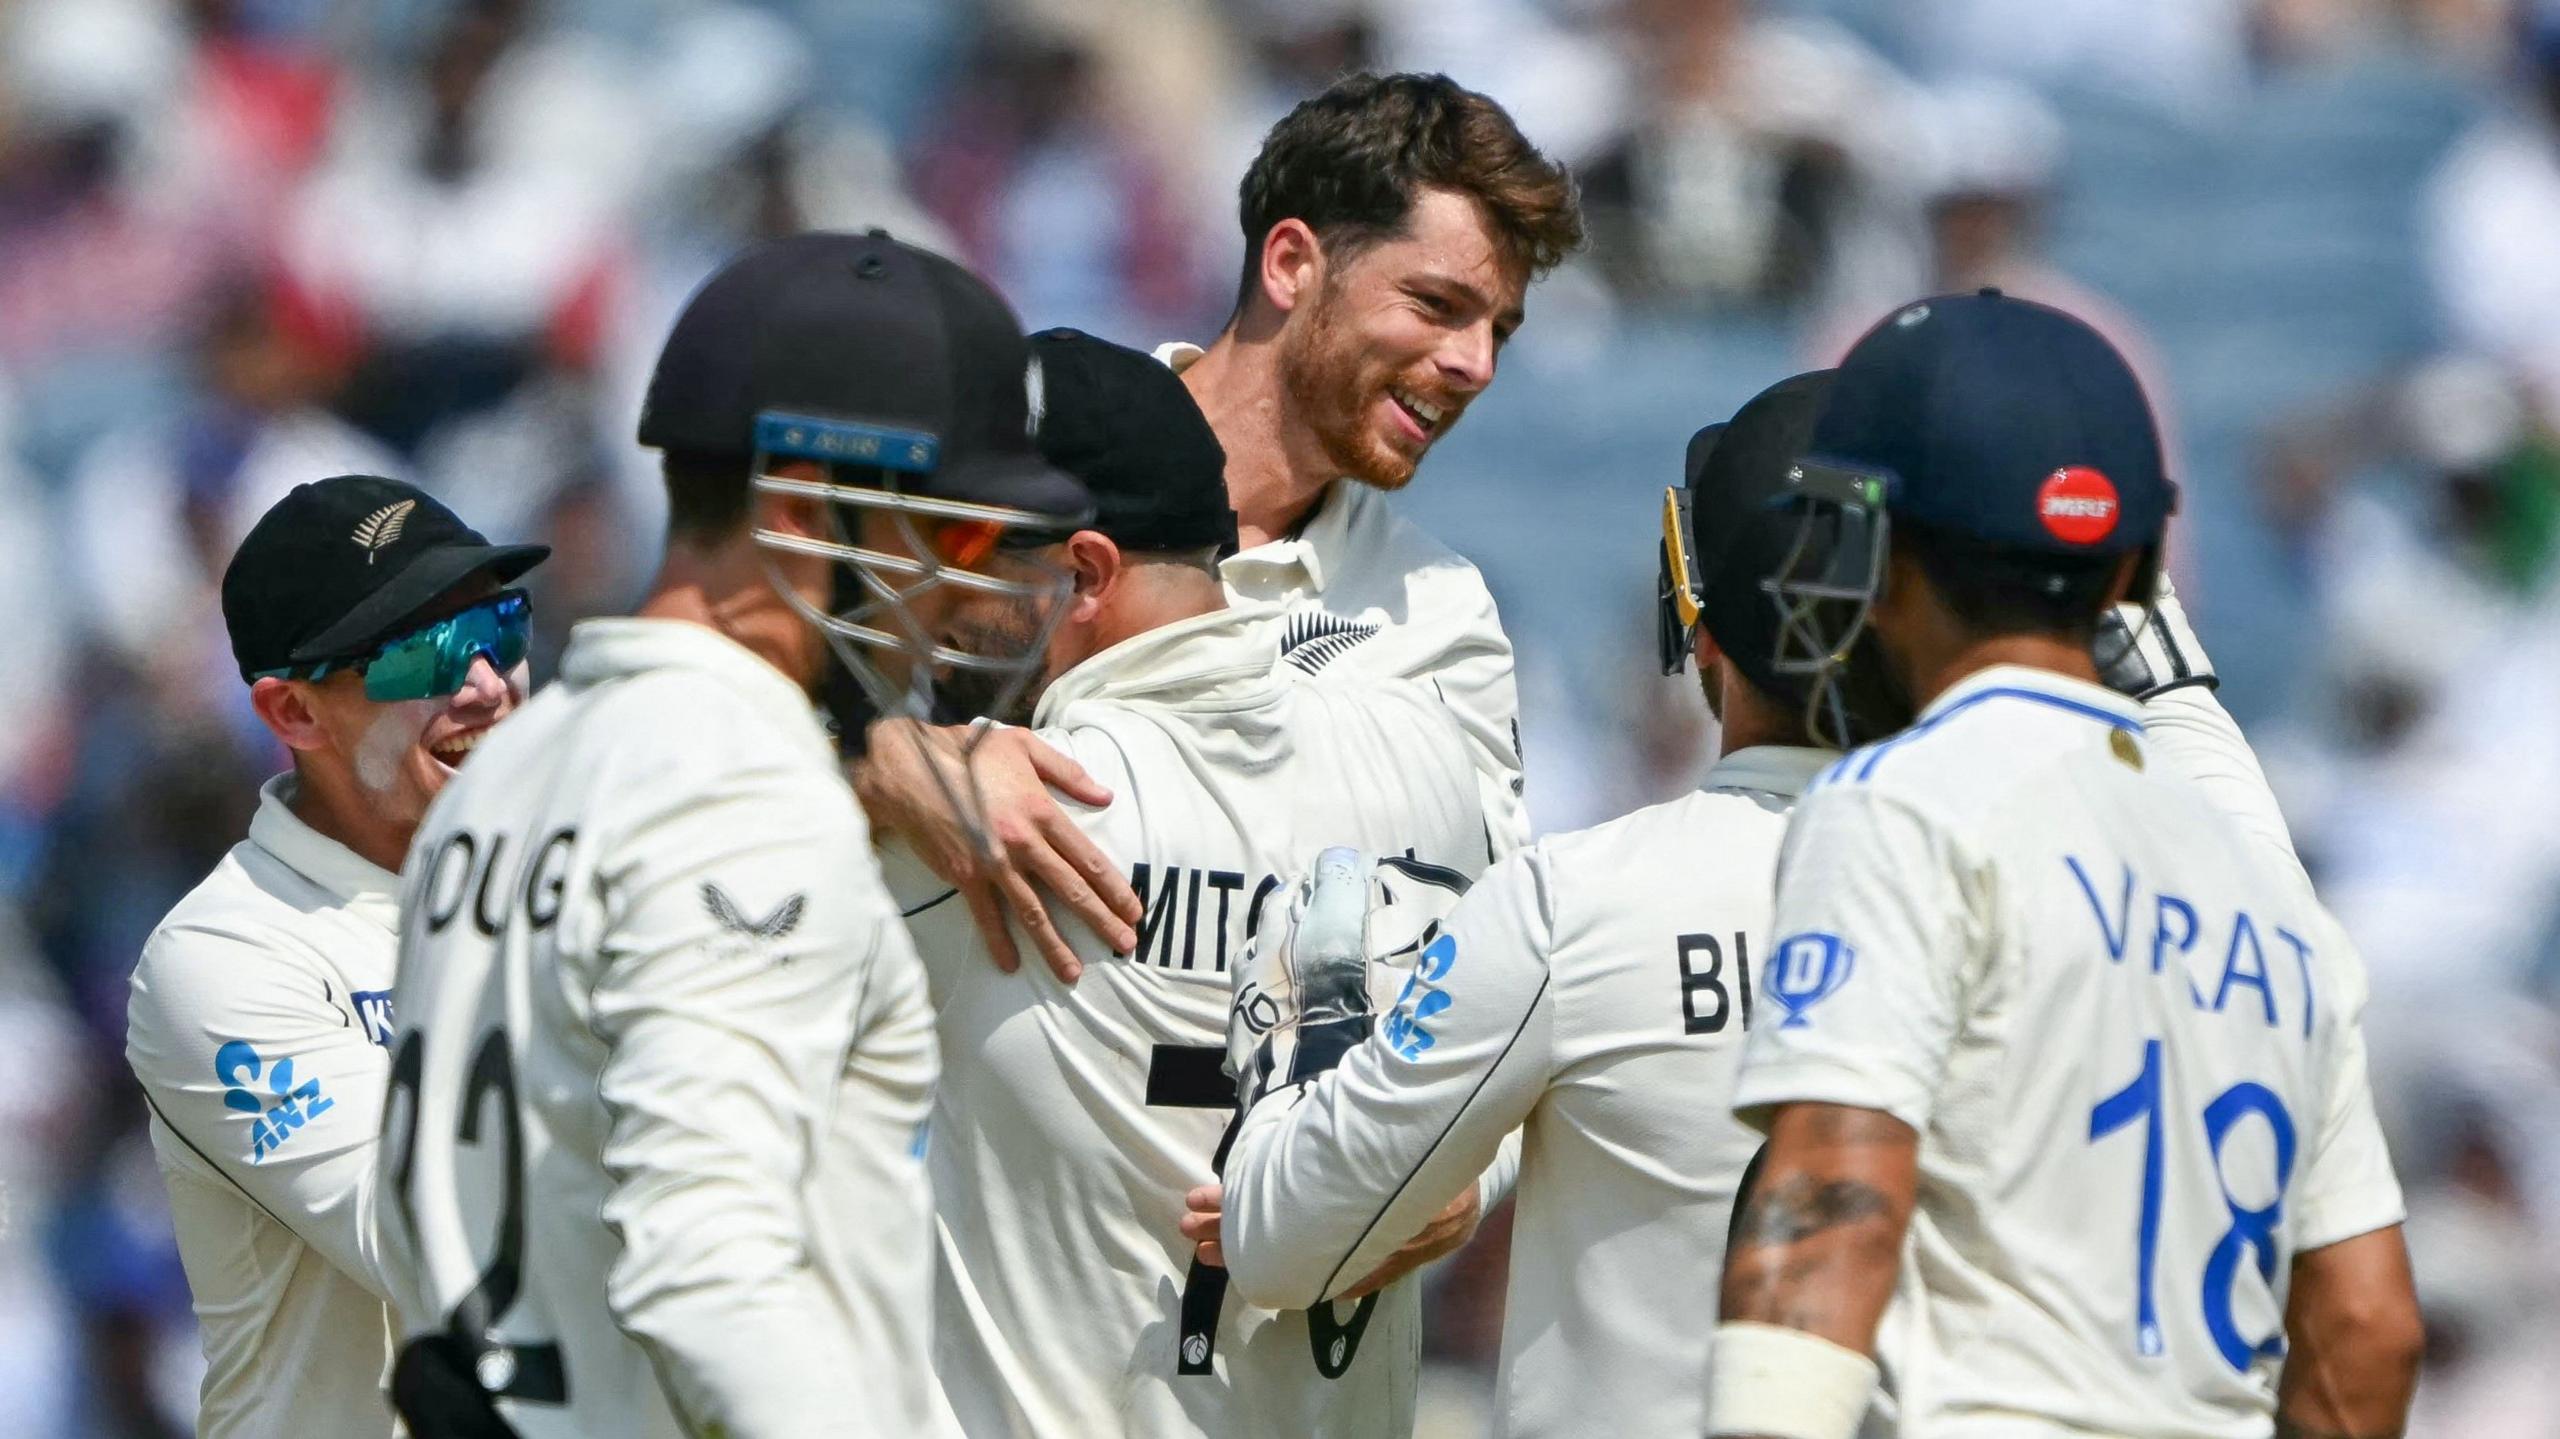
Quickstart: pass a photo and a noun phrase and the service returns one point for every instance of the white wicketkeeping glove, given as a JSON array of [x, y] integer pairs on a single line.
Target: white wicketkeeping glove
[[2144, 652], [1310, 985]]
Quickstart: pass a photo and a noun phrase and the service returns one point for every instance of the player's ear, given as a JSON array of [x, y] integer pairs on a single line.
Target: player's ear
[[790, 514], [1704, 649], [286, 708], [1096, 565], [1292, 265]]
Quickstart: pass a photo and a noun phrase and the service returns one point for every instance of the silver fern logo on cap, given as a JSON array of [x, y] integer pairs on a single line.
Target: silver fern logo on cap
[[380, 530]]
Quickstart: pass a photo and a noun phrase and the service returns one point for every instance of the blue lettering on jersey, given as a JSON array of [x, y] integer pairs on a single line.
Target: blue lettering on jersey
[[2177, 926], [373, 1011], [1809, 969], [1422, 998], [2244, 940], [237, 1066], [2115, 934], [2302, 958], [2189, 927]]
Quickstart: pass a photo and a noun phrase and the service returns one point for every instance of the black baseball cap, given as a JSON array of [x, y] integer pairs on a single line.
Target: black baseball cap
[[341, 563], [862, 350], [2002, 420], [1123, 422], [1739, 535]]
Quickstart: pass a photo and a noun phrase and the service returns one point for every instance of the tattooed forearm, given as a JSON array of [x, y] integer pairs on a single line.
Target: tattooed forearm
[[2296, 1429], [1801, 1206], [1817, 1240], [1803, 1248]]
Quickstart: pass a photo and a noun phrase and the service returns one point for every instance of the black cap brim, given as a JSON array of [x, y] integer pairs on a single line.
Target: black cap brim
[[415, 588], [1014, 483]]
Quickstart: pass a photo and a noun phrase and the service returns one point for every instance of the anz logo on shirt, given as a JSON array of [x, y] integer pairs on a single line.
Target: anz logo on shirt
[[279, 1100], [1408, 1031]]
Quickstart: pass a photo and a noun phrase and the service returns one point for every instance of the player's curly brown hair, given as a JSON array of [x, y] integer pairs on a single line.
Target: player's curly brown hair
[[1349, 161]]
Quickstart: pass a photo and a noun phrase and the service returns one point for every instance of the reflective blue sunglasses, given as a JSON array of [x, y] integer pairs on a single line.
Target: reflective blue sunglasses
[[434, 660]]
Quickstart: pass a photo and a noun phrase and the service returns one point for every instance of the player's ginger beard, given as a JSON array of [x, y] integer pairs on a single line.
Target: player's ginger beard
[[1292, 413]]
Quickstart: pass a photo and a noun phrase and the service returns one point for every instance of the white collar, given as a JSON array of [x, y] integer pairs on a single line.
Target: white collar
[[1227, 658], [1770, 769], [363, 887], [606, 649], [2041, 686], [1325, 531]]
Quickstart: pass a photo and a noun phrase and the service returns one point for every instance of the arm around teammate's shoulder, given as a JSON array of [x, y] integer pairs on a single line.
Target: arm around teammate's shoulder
[[256, 1068], [1326, 1181], [914, 783], [739, 934]]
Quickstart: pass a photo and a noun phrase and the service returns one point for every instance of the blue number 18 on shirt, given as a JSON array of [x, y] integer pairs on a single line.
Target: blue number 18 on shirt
[[2254, 1230]]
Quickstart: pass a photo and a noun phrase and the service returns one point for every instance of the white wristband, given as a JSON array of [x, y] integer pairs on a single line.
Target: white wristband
[[1763, 1379]]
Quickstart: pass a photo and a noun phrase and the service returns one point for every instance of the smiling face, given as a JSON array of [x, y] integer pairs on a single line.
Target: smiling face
[[1403, 333], [389, 759], [400, 753]]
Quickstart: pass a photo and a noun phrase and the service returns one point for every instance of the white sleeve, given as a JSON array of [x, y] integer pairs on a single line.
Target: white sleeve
[[2188, 727], [253, 1064], [1868, 974], [726, 1054], [2347, 1187], [1328, 1178]]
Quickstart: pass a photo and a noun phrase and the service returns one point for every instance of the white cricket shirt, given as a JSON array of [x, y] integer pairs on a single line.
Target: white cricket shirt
[[1592, 990], [1072, 1119], [649, 980], [256, 1023], [2128, 1036], [1366, 588]]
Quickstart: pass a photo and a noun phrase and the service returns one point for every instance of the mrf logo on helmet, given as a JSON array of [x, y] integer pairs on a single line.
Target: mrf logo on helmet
[[2001, 420], [2078, 505]]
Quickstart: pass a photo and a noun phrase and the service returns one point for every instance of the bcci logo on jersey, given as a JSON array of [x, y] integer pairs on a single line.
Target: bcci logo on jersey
[[1810, 968]]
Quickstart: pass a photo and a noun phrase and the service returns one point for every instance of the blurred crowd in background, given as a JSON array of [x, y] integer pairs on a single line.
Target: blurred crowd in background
[[247, 243]]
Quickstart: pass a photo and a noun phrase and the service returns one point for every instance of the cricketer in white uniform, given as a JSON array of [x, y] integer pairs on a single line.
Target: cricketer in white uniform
[[261, 1005], [1072, 1119], [2208, 1028], [654, 1151], [1593, 990], [2122, 1028], [1392, 227], [1367, 588]]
